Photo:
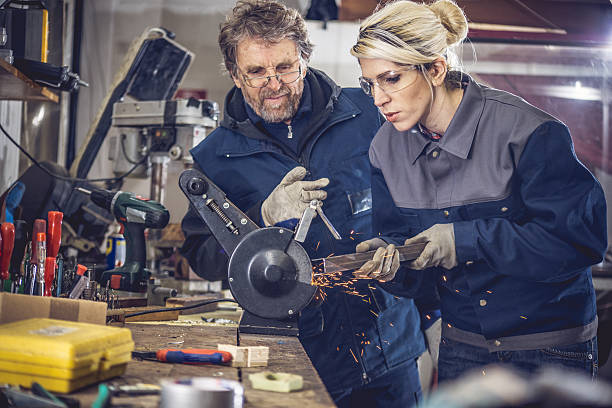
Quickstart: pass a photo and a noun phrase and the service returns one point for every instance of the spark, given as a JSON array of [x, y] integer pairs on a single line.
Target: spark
[[317, 247], [338, 348], [428, 317], [374, 313], [483, 372], [361, 352], [448, 324], [444, 278], [391, 324], [457, 290], [488, 291], [523, 317], [378, 347], [357, 361]]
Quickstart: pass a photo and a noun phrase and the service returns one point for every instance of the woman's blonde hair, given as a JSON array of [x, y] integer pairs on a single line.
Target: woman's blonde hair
[[410, 33]]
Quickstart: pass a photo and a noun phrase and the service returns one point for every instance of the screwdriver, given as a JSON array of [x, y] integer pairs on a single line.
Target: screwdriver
[[18, 254], [186, 356], [7, 232]]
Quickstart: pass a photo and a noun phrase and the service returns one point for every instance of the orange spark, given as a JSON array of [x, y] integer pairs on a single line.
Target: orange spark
[[354, 356]]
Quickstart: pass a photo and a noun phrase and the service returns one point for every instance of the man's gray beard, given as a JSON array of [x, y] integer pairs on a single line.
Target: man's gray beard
[[284, 113]]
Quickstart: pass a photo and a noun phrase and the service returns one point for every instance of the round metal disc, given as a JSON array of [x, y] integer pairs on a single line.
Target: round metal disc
[[266, 279]]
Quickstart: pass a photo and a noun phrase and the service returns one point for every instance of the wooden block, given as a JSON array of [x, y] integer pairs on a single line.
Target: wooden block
[[254, 356], [257, 356], [277, 382]]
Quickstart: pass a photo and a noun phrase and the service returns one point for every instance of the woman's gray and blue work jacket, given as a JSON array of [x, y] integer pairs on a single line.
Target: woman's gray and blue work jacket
[[529, 220], [350, 339]]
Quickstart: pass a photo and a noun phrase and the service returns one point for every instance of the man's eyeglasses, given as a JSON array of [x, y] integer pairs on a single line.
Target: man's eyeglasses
[[282, 75], [390, 81]]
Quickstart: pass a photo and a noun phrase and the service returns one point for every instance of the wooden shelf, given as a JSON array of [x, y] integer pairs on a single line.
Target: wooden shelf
[[16, 86]]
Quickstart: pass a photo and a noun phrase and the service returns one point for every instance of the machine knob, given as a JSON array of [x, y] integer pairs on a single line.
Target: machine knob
[[175, 152], [196, 186]]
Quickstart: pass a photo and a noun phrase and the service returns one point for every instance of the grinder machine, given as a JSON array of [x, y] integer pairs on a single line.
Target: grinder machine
[[269, 272]]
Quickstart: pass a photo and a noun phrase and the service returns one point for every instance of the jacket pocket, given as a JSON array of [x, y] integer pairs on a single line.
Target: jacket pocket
[[352, 176]]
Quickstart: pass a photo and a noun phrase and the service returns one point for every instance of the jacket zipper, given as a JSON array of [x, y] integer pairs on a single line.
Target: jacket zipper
[[364, 375]]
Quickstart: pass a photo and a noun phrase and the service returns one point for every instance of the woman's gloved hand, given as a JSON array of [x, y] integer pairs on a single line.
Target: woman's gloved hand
[[383, 265], [440, 248]]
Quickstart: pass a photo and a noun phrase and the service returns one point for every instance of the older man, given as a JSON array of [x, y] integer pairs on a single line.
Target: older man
[[290, 135]]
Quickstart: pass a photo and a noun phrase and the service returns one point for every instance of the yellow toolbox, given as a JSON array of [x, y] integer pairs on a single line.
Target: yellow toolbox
[[61, 355]]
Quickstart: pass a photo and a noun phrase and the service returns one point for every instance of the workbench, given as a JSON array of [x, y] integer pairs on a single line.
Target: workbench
[[286, 355]]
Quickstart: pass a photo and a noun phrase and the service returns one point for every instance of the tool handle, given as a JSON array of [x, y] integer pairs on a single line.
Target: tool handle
[[49, 275], [7, 232], [193, 356], [136, 250], [40, 225], [54, 232], [19, 247]]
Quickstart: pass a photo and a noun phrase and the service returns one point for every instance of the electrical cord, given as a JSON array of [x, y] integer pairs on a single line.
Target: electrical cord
[[72, 179], [169, 309]]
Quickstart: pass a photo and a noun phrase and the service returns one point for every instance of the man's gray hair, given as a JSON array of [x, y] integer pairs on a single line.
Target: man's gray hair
[[267, 20]]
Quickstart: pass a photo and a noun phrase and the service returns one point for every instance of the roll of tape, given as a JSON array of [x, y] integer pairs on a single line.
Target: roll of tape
[[201, 392]]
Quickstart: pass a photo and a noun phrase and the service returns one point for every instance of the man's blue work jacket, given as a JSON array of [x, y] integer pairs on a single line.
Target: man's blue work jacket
[[351, 339]]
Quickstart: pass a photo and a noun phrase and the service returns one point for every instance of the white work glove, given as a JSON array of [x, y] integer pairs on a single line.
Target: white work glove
[[433, 335], [440, 248], [291, 197], [383, 265]]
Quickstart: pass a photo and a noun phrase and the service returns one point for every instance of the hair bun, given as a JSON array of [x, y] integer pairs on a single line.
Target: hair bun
[[453, 20]]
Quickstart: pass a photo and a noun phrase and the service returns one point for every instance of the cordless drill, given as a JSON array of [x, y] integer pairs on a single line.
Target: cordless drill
[[134, 213]]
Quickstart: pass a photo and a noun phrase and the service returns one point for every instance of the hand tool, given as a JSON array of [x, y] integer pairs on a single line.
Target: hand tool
[[41, 253], [7, 232], [40, 225], [18, 254], [60, 275], [49, 275], [307, 216], [134, 213], [185, 356], [54, 232]]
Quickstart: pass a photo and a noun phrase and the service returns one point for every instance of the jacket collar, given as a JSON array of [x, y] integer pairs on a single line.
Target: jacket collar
[[459, 136], [324, 94]]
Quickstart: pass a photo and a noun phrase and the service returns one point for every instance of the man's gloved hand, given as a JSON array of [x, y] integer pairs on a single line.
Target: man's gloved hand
[[291, 197], [440, 248], [433, 334], [383, 265]]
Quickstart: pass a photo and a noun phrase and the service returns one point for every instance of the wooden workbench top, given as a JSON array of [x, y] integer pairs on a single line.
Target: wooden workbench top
[[286, 355]]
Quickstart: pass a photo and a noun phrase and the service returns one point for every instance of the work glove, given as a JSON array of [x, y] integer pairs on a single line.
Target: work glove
[[440, 248], [291, 197], [383, 265], [433, 334]]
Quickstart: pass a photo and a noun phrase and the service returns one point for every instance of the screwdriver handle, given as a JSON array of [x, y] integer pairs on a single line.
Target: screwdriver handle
[[40, 225], [54, 232], [7, 232], [19, 247], [49, 275], [193, 356]]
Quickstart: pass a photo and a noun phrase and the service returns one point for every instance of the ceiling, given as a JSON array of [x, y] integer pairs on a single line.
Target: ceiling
[[549, 21]]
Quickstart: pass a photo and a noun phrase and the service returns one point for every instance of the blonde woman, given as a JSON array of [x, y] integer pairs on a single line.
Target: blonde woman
[[511, 219]]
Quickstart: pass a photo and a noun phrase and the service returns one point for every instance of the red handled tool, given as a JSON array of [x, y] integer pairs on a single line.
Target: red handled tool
[[7, 232], [185, 356], [54, 232]]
